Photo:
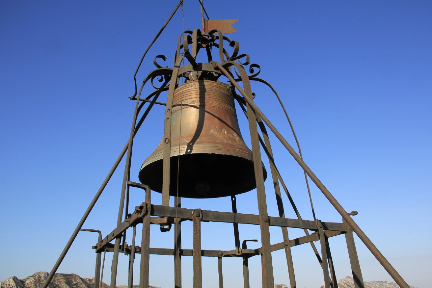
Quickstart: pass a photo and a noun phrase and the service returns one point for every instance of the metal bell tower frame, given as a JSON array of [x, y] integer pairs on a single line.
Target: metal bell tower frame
[[236, 68]]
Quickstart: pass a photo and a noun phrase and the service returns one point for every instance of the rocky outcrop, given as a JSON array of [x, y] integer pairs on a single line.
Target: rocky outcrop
[[74, 281], [348, 282], [59, 281]]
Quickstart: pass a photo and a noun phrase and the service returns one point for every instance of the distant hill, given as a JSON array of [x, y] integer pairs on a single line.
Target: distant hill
[[348, 282], [74, 281], [59, 281]]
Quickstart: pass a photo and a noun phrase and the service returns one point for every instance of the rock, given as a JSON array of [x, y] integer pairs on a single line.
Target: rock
[[12, 282], [348, 282], [59, 280]]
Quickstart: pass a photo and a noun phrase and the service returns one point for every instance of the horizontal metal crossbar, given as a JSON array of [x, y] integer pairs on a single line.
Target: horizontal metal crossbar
[[174, 214], [228, 217], [225, 253], [305, 239]]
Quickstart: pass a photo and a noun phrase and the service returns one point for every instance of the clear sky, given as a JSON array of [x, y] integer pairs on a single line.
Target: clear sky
[[356, 77]]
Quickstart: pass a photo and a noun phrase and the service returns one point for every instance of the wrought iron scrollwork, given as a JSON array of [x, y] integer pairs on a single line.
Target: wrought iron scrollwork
[[162, 75], [163, 57], [252, 71], [161, 78]]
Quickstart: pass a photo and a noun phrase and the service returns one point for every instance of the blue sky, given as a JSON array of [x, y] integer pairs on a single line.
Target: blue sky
[[356, 78]]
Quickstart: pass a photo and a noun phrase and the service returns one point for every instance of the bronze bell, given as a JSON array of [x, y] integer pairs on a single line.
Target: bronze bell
[[208, 155]]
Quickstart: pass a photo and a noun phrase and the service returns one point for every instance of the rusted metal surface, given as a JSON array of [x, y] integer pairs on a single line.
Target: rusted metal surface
[[220, 272], [244, 252], [213, 159], [150, 101], [132, 259], [197, 266], [279, 202], [173, 213], [333, 279], [225, 26], [354, 261], [167, 137], [235, 225], [177, 247], [98, 267], [303, 240], [323, 254], [266, 257], [246, 263], [145, 244], [98, 258]]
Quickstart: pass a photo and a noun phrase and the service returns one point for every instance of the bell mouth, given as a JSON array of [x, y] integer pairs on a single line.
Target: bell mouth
[[202, 175]]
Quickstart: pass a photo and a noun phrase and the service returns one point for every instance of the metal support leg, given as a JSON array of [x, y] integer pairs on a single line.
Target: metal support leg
[[103, 267], [98, 264], [355, 265], [267, 266], [235, 225], [246, 264], [145, 244], [220, 272], [197, 266], [167, 135], [115, 262], [132, 259], [323, 254], [330, 261], [279, 203], [177, 248], [246, 271]]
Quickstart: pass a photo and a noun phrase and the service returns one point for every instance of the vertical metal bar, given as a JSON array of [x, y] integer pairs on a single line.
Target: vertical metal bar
[[115, 262], [103, 267], [167, 135], [246, 271], [132, 259], [267, 267], [220, 272], [279, 202], [352, 252], [126, 212], [202, 16], [197, 265], [266, 257], [245, 267], [98, 264], [333, 282], [235, 225], [374, 250], [323, 254], [145, 243], [177, 248]]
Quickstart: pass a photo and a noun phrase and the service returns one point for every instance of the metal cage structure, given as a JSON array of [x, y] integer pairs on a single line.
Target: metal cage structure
[[236, 69]]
